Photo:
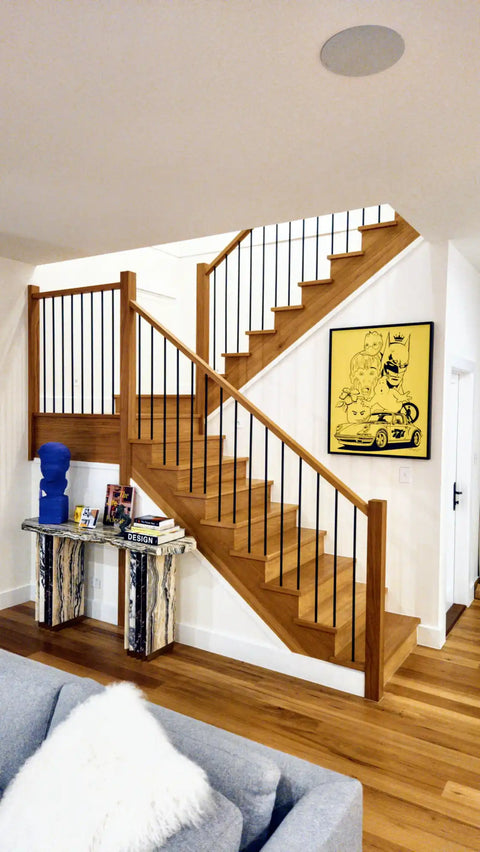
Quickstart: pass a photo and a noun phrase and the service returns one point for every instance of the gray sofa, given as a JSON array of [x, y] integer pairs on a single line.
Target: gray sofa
[[264, 799]]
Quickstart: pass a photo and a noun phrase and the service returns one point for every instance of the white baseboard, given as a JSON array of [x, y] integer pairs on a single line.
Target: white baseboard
[[285, 662], [431, 637], [101, 610], [12, 597]]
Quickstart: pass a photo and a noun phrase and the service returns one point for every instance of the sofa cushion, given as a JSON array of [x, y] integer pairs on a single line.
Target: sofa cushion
[[69, 696], [234, 767], [28, 693], [111, 762], [220, 831]]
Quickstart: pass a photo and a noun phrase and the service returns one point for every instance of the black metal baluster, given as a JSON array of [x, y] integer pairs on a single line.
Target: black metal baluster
[[332, 234], [263, 277], [265, 496], [363, 215], [317, 234], [177, 454], [379, 213], [303, 249], [226, 305], [250, 453], [113, 351], [251, 283], [92, 360], [53, 353], [82, 371], [44, 345], [289, 260], [215, 318], [63, 354], [317, 507], [299, 516], [282, 497], [192, 402], [220, 459], [164, 400], [102, 344], [139, 377], [347, 231], [335, 561], [205, 440], [72, 353], [238, 299], [354, 579], [151, 382], [235, 445], [276, 265]]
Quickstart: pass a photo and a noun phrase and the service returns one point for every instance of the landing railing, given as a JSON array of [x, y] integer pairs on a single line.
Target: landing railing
[[141, 377], [260, 269]]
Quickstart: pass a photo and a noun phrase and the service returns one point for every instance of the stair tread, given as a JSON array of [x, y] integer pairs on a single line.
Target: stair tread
[[290, 539], [345, 254], [307, 572], [263, 331], [288, 308], [227, 488], [196, 464], [320, 281], [343, 609], [242, 516], [235, 354], [397, 628], [376, 225]]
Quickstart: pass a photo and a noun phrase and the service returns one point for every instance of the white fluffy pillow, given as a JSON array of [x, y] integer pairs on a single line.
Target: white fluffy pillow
[[107, 779]]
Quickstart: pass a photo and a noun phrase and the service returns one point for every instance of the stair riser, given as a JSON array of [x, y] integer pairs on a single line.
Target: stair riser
[[171, 429], [207, 507], [325, 598], [272, 567], [257, 528], [184, 451], [183, 476], [343, 638]]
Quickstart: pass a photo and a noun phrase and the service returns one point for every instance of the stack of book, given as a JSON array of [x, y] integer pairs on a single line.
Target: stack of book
[[153, 529]]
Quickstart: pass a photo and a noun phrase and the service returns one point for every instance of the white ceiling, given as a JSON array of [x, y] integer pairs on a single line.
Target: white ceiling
[[129, 123]]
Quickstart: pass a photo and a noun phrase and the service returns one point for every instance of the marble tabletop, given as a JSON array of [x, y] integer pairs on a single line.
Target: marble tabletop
[[108, 535]]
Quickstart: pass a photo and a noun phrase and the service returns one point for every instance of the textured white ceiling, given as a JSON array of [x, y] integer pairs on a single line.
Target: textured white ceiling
[[128, 123]]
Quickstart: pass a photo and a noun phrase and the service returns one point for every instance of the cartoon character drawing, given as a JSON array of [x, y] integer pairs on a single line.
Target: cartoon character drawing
[[358, 412], [389, 391]]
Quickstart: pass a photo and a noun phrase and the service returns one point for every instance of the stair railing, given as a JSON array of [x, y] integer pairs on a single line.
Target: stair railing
[[237, 442], [258, 271]]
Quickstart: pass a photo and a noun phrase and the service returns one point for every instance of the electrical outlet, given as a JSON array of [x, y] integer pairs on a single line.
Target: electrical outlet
[[405, 475]]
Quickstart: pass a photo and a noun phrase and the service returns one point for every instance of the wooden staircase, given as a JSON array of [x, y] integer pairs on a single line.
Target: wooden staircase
[[281, 590], [381, 242]]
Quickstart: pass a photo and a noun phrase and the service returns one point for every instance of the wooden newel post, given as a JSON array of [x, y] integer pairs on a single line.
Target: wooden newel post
[[128, 292], [375, 612], [33, 365], [203, 331]]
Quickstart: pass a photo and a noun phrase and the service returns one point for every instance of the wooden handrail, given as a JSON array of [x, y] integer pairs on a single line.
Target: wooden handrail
[[75, 291], [227, 250], [257, 413]]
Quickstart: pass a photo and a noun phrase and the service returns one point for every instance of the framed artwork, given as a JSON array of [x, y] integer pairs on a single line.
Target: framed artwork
[[380, 385]]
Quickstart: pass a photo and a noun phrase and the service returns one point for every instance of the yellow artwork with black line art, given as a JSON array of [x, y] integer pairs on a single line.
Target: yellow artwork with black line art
[[380, 390]]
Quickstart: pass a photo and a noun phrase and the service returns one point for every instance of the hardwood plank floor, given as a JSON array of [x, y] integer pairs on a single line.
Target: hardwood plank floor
[[417, 752]]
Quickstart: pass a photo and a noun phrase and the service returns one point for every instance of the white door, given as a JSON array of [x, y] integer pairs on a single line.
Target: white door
[[452, 449]]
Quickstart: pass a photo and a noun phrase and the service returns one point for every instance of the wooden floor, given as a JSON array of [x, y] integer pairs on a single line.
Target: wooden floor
[[417, 752]]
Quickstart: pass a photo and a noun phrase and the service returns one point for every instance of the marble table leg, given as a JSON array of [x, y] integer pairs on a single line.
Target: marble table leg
[[150, 613], [60, 570]]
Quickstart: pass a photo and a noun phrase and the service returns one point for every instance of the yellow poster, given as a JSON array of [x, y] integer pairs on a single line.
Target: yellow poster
[[380, 390]]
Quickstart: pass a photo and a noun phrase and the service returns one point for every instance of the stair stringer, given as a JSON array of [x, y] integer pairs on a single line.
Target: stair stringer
[[278, 611], [380, 246]]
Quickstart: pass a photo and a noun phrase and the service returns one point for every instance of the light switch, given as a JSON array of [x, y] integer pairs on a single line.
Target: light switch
[[405, 475]]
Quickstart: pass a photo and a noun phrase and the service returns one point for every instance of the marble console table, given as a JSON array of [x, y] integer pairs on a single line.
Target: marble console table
[[149, 582]]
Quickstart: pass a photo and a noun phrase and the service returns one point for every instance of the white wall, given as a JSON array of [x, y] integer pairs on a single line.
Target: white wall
[[462, 355], [15, 504]]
